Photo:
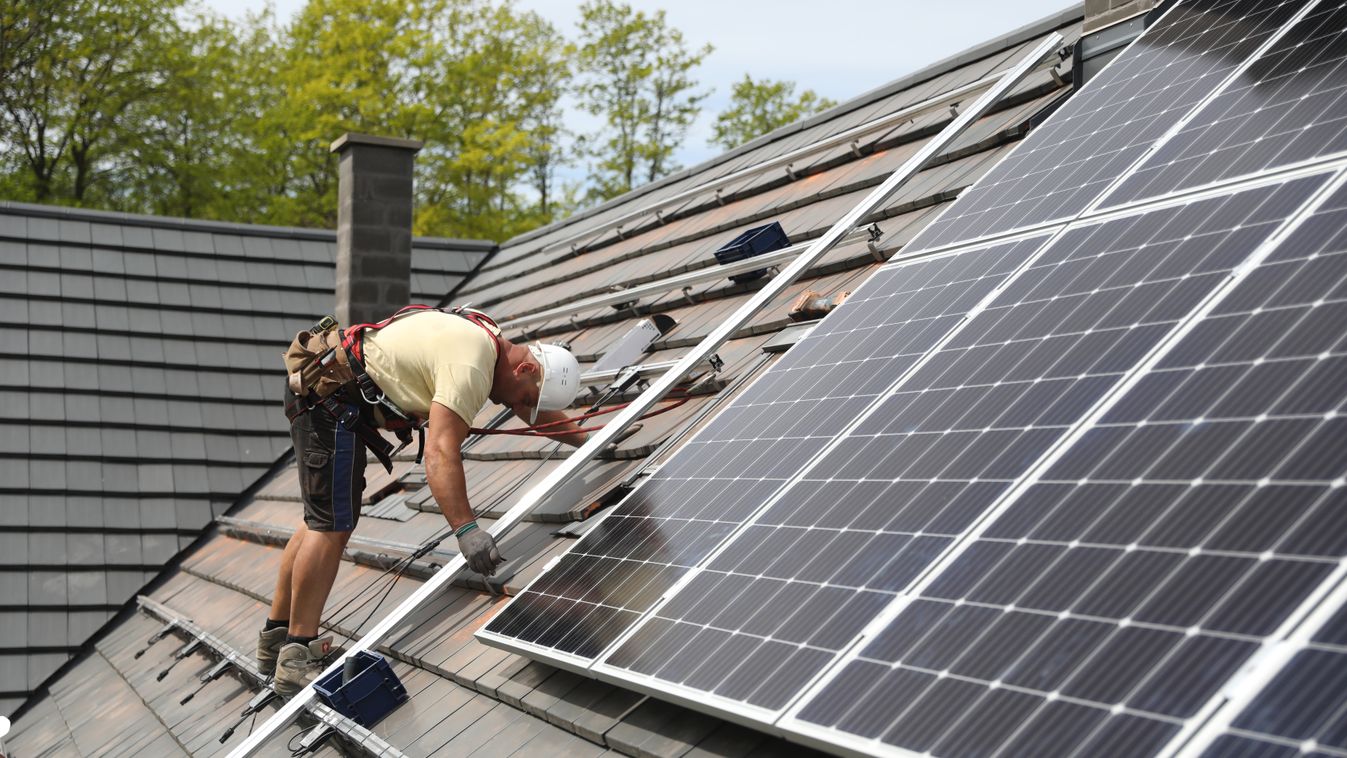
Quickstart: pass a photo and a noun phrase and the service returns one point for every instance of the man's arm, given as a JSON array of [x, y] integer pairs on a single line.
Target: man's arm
[[577, 436], [444, 473], [444, 465]]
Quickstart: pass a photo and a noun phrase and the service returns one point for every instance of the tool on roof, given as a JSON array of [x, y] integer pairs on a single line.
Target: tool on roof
[[364, 690], [759, 240]]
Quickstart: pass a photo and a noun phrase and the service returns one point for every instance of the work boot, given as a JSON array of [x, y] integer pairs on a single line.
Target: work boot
[[297, 664], [269, 643]]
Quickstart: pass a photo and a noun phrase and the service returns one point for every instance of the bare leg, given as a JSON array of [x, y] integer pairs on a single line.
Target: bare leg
[[280, 599], [317, 557]]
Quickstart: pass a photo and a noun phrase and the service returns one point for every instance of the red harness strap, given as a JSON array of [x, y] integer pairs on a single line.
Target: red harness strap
[[354, 345]]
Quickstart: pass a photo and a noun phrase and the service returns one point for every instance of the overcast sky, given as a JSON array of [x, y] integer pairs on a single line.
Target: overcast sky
[[838, 48]]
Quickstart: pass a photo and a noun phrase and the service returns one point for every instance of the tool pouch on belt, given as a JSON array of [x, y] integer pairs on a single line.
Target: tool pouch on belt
[[316, 362]]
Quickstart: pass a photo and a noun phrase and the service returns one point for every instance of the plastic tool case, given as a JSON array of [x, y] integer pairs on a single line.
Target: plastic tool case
[[752, 243], [371, 692]]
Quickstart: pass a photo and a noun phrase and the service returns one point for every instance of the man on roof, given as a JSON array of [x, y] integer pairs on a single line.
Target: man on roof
[[429, 365]]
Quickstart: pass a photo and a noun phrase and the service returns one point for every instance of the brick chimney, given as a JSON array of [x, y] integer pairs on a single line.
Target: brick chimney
[[374, 226], [1109, 26], [1102, 13]]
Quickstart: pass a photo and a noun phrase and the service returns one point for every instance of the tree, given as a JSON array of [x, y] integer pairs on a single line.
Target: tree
[[638, 78], [190, 154], [757, 108], [494, 95], [65, 100]]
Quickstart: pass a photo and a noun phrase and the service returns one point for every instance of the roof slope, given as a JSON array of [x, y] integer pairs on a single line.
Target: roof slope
[[466, 697], [138, 401]]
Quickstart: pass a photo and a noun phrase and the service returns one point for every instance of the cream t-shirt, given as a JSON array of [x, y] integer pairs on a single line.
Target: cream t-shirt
[[433, 357]]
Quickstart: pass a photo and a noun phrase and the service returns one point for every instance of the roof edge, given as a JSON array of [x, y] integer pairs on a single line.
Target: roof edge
[[984, 49], [129, 607], [63, 212]]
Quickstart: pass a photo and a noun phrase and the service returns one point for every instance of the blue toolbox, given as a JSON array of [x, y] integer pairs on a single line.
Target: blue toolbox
[[750, 244], [364, 690]]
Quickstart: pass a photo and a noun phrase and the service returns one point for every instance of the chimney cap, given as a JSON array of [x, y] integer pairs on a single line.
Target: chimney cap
[[356, 138]]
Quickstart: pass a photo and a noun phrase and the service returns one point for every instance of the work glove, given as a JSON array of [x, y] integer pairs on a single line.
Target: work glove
[[478, 548]]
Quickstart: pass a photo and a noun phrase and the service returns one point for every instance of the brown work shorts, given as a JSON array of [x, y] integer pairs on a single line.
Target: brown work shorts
[[331, 461]]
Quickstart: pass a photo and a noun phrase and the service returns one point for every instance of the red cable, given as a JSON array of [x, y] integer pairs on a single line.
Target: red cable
[[532, 431]]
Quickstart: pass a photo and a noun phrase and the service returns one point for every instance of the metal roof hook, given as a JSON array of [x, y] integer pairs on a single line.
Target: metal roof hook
[[790, 171], [856, 148]]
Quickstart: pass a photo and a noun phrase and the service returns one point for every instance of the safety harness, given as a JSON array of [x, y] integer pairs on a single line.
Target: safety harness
[[326, 369]]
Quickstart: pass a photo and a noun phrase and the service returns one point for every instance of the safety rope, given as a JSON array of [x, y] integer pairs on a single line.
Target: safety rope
[[533, 431]]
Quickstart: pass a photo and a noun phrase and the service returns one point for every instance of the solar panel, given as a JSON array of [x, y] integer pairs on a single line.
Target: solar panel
[[1071, 159], [1288, 107], [782, 600], [1065, 520], [770, 431], [1116, 594], [1303, 709]]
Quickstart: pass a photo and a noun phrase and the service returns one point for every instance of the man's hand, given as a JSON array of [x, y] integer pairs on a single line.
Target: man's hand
[[577, 436], [479, 549]]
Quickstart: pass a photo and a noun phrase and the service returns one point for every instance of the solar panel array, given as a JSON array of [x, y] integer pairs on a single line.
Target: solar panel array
[[1110, 599], [772, 429], [1071, 159], [1289, 108], [1048, 494]]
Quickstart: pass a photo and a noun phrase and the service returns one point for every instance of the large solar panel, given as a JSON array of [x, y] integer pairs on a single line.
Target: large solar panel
[[770, 431], [1278, 352], [1066, 523], [1288, 107], [1110, 600], [1071, 159], [790, 592]]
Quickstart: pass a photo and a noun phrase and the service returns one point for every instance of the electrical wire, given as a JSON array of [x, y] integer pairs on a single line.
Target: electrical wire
[[532, 431]]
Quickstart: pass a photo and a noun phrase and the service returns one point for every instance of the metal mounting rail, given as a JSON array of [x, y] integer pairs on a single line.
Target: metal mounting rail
[[785, 160], [600, 440], [642, 370], [674, 283], [356, 734]]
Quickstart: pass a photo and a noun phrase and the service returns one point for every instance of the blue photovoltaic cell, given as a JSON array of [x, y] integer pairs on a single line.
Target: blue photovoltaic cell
[[792, 590], [1122, 590], [776, 426], [1103, 129], [1289, 106]]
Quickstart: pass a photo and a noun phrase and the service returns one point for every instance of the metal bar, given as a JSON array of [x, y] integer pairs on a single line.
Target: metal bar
[[596, 378], [841, 138], [355, 733], [672, 377], [670, 284]]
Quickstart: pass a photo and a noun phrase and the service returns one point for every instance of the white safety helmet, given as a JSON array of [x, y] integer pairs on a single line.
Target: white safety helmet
[[560, 381]]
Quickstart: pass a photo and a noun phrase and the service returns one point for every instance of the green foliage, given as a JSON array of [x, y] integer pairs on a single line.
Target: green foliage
[[757, 108], [160, 107], [72, 70], [637, 76]]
